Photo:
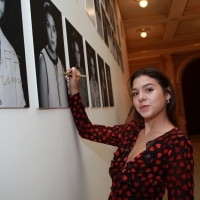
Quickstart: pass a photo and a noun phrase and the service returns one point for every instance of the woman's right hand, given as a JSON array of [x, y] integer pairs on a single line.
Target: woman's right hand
[[73, 81]]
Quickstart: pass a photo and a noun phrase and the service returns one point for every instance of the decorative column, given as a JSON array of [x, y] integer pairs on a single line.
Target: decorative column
[[170, 72], [169, 69]]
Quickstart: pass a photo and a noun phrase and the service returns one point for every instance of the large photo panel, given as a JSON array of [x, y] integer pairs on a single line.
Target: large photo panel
[[76, 58], [13, 76], [109, 82], [49, 54], [103, 85], [98, 17], [93, 77]]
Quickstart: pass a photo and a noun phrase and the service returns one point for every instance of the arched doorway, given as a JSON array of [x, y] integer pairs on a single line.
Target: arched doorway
[[191, 96]]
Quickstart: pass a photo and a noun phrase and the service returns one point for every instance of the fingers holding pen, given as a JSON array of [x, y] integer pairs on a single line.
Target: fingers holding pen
[[72, 80]]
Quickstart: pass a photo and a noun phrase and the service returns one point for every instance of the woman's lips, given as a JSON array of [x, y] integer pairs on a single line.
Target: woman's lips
[[144, 107]]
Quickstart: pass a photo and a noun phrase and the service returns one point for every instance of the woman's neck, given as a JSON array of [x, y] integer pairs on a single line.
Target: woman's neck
[[158, 125]]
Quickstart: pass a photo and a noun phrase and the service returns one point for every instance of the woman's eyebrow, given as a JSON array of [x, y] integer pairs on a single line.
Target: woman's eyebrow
[[145, 85]]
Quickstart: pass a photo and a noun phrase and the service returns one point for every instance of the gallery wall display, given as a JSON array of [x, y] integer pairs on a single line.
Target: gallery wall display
[[105, 24], [49, 54], [93, 77], [103, 2], [90, 10], [112, 19], [118, 36], [109, 82], [103, 84], [98, 17], [76, 58], [13, 76], [107, 6]]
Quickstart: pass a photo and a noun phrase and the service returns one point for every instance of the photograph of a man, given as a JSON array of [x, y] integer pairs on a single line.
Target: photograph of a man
[[103, 85], [93, 77], [76, 58], [49, 54], [13, 77]]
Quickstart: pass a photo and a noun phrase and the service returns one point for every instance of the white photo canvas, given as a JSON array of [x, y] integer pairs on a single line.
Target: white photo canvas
[[49, 54], [13, 77]]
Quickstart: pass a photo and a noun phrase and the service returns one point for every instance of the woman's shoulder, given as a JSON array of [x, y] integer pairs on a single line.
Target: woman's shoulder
[[5, 43], [134, 126], [177, 137]]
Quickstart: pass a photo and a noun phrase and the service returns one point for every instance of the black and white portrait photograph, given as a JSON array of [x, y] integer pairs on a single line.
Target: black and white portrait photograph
[[93, 77], [113, 4], [103, 2], [105, 22], [76, 58], [112, 42], [107, 6], [112, 19], [103, 85], [98, 18], [109, 36], [90, 10], [118, 36], [109, 82], [49, 54], [13, 76], [115, 48]]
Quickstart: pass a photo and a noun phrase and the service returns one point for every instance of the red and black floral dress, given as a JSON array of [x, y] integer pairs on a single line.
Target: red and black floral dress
[[167, 161]]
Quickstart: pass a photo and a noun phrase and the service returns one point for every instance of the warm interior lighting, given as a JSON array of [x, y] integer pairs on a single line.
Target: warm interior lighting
[[143, 32], [143, 3]]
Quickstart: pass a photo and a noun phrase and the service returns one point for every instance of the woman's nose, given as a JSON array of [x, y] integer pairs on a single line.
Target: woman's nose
[[141, 96]]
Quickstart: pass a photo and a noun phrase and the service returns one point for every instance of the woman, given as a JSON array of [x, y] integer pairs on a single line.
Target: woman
[[52, 86], [153, 154]]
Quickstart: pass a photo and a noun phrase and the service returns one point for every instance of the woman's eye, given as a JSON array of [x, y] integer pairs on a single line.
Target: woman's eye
[[134, 94], [149, 89]]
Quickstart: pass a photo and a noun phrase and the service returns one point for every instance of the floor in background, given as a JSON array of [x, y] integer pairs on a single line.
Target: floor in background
[[196, 146]]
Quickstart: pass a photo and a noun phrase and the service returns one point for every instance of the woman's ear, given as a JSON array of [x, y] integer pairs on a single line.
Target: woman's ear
[[168, 94]]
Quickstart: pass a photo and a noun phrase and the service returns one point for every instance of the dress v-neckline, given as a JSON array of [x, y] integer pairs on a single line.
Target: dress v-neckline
[[147, 146]]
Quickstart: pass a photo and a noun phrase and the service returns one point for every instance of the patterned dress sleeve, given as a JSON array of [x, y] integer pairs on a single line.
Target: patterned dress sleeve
[[180, 183], [98, 133]]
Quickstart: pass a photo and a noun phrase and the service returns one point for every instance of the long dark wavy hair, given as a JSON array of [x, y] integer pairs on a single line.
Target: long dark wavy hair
[[166, 86]]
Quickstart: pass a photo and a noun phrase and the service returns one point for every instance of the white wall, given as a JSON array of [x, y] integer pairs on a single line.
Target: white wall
[[41, 155]]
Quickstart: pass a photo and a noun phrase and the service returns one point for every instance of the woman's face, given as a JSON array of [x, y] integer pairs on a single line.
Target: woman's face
[[51, 32], [148, 97], [2, 8]]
